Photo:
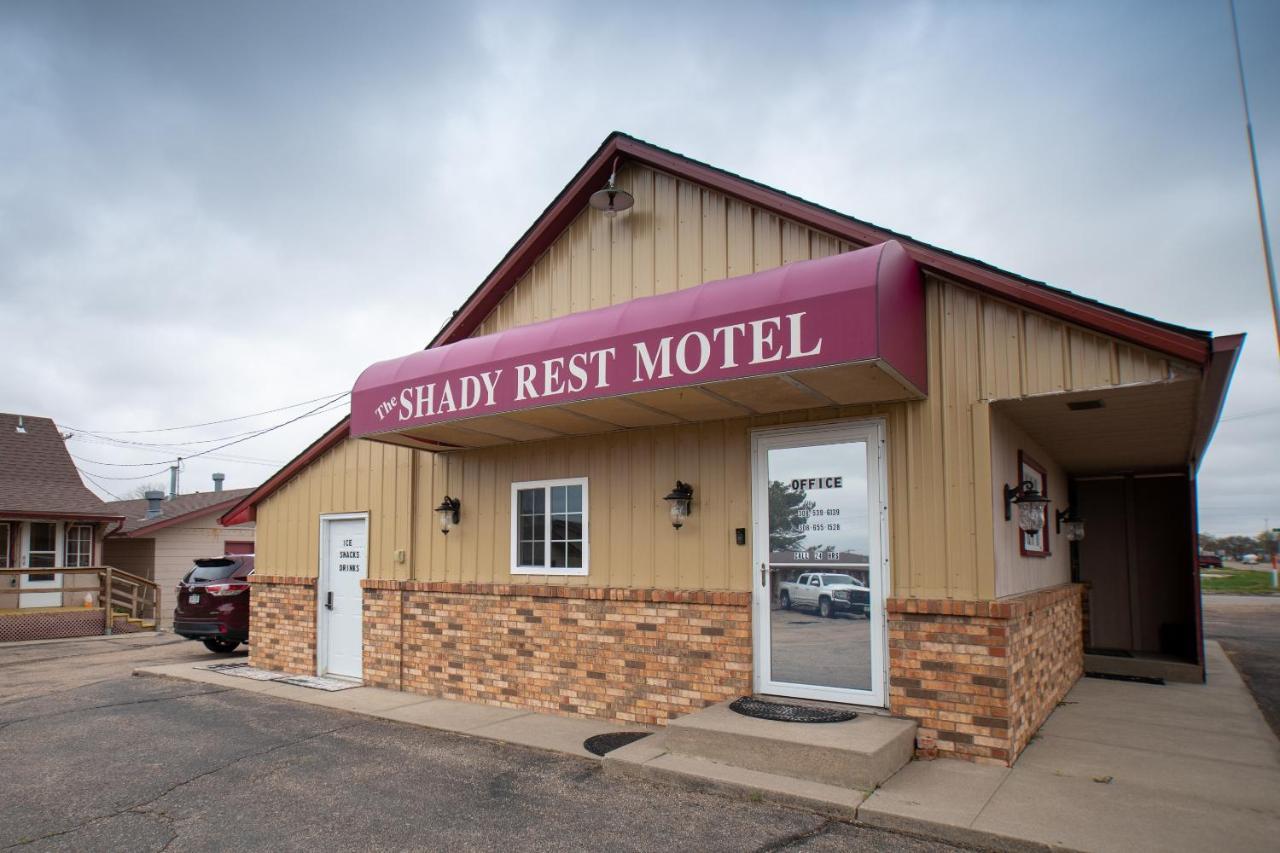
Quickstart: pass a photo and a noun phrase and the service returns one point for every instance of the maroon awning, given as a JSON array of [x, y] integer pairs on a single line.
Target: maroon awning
[[783, 339]]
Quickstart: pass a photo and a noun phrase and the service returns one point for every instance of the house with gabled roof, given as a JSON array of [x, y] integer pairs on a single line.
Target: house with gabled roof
[[566, 502], [49, 520], [163, 534]]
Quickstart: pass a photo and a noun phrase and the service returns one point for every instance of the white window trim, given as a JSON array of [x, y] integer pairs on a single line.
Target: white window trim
[[66, 545], [516, 568]]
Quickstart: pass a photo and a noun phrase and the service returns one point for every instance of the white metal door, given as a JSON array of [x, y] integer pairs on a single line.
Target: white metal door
[[41, 545], [819, 511], [343, 564]]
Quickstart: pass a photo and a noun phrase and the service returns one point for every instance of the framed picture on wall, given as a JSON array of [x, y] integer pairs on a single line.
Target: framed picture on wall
[[1036, 542]]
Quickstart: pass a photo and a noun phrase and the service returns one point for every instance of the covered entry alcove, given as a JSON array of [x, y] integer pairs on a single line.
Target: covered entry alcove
[[1130, 456]]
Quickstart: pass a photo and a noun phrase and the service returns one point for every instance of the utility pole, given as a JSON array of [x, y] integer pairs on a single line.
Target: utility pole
[[1257, 183]]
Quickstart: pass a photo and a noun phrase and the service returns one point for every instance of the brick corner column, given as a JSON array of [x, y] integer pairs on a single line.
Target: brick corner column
[[980, 677], [282, 624]]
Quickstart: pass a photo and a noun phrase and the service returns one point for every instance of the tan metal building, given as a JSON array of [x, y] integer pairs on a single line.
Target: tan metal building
[[881, 458]]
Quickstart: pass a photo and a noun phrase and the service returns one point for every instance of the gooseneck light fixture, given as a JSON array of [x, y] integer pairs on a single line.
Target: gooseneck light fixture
[[1069, 520], [449, 512], [1032, 506], [611, 199], [681, 500]]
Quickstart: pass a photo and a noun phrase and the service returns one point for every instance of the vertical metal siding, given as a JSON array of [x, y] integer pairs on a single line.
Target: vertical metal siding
[[679, 235]]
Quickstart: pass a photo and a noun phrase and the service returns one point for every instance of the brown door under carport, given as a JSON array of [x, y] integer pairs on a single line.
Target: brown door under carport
[[1137, 557]]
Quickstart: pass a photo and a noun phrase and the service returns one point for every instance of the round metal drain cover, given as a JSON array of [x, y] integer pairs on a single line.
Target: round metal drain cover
[[749, 706], [600, 744]]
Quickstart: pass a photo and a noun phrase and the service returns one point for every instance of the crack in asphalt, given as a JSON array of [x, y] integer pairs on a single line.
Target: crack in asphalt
[[211, 692], [142, 807], [797, 837]]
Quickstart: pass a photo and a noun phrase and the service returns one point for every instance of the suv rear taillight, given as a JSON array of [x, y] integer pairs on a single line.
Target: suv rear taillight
[[233, 588]]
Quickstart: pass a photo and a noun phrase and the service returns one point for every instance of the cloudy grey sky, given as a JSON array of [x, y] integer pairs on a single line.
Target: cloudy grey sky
[[210, 209]]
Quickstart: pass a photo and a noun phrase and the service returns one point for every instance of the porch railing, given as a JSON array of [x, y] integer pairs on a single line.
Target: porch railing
[[118, 592]]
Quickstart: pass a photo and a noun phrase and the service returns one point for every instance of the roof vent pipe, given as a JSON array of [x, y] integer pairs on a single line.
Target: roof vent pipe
[[153, 503], [217, 481], [22, 428]]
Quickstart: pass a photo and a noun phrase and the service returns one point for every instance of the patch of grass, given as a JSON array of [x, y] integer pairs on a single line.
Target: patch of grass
[[1239, 581]]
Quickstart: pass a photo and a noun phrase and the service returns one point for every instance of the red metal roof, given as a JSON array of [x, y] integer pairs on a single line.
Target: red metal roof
[[1187, 344]]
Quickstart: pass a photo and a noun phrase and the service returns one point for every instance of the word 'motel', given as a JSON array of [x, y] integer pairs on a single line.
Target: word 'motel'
[[771, 339]]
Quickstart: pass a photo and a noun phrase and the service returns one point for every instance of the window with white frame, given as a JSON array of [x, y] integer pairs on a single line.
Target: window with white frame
[[6, 546], [79, 546], [549, 527]]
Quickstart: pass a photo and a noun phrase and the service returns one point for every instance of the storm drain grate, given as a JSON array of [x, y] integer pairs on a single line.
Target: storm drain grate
[[600, 744], [1138, 679], [749, 706]]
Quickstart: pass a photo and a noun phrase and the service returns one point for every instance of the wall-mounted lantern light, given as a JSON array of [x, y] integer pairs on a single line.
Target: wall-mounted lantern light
[[449, 511], [681, 499], [611, 199], [1066, 520], [1031, 506]]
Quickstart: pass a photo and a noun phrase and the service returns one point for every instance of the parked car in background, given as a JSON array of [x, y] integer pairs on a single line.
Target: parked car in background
[[1250, 559], [1210, 561], [828, 593], [213, 602]]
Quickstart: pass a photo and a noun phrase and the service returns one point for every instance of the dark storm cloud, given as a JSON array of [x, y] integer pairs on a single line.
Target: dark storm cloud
[[213, 208]]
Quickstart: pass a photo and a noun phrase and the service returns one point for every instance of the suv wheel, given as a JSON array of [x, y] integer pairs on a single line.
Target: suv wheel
[[825, 610], [785, 600], [220, 647]]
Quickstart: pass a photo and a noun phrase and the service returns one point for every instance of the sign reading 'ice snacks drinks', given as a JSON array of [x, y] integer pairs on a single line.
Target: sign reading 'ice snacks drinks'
[[807, 315]]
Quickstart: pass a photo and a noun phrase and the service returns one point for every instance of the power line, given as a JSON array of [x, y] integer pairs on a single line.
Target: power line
[[333, 396], [1253, 414], [159, 473], [99, 485], [182, 446], [254, 434], [186, 451]]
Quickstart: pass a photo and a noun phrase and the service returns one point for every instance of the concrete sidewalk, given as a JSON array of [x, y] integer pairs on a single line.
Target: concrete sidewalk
[[513, 725], [1118, 766]]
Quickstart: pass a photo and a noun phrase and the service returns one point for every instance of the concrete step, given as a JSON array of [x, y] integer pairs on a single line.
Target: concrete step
[[648, 759], [859, 753], [1146, 667]]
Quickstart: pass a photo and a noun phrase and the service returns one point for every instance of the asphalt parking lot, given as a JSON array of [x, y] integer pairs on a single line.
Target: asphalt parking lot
[[95, 759], [1248, 626]]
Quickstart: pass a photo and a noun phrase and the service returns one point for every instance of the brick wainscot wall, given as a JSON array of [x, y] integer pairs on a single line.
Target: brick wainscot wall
[[634, 655], [282, 624], [981, 676]]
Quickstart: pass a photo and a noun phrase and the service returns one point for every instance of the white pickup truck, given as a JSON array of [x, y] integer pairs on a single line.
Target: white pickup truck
[[828, 593]]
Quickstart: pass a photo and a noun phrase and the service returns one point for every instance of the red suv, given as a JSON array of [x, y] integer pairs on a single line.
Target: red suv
[[213, 602]]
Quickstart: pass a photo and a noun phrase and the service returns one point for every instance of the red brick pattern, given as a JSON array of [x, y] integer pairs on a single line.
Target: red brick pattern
[[282, 624], [383, 640], [981, 676], [630, 655], [1046, 657]]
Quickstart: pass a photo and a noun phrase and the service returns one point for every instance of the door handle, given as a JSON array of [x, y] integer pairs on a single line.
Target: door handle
[[764, 574], [328, 600]]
